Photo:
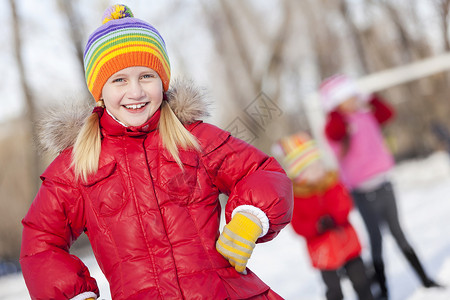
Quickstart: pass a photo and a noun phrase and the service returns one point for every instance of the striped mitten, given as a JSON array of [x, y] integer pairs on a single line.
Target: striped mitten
[[237, 240]]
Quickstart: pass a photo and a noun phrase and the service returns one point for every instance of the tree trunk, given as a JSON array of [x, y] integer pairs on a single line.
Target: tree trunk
[[30, 114]]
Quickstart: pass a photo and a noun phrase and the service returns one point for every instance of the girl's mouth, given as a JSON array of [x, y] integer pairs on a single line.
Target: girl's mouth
[[135, 106]]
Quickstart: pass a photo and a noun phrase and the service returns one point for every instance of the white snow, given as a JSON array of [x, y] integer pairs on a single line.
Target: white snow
[[423, 189]]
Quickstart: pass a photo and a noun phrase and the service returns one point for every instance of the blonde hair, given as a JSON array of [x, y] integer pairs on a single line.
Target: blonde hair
[[87, 147], [174, 134]]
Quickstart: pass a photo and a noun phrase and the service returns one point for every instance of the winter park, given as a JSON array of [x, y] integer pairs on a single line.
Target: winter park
[[225, 150]]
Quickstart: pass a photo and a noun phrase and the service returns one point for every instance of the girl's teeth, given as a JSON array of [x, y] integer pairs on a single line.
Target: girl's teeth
[[135, 106]]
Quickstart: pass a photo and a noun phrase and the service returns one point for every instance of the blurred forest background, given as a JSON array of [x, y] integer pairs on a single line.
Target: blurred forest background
[[259, 61]]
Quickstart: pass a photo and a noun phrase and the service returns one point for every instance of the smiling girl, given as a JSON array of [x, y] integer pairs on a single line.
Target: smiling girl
[[141, 178], [133, 95]]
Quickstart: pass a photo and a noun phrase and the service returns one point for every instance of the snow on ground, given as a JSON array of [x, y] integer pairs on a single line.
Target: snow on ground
[[423, 189]]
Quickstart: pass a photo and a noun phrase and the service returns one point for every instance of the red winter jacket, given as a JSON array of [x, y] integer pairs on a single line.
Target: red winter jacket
[[152, 227], [331, 249]]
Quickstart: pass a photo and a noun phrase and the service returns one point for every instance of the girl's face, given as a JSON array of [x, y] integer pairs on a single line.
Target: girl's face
[[350, 105], [313, 173], [133, 95]]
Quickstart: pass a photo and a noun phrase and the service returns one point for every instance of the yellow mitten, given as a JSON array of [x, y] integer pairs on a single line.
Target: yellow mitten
[[90, 298], [237, 240]]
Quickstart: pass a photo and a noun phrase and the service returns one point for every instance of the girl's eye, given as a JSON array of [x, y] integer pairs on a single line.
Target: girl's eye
[[118, 80], [146, 76]]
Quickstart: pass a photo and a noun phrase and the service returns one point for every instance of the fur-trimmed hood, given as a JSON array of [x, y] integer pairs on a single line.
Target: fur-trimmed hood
[[60, 125]]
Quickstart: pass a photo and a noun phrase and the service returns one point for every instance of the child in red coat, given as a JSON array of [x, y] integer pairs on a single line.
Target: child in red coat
[[141, 175], [321, 208]]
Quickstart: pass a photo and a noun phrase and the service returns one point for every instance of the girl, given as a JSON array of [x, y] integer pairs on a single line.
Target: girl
[[142, 178], [353, 130], [321, 208]]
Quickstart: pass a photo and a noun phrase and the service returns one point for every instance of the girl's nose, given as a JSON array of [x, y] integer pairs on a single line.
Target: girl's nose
[[135, 90]]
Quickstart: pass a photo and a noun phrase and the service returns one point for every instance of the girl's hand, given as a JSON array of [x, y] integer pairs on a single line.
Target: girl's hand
[[325, 223], [237, 240]]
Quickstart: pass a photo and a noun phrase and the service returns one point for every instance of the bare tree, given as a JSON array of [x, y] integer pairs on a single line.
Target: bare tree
[[75, 29], [30, 115], [232, 24], [355, 35], [76, 33], [443, 8], [325, 39]]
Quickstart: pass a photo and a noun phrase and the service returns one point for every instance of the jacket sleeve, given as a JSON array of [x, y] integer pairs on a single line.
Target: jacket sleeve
[[382, 111], [250, 178], [50, 227], [335, 127]]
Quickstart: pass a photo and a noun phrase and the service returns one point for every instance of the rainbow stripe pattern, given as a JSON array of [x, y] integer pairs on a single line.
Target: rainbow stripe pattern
[[121, 42], [300, 152]]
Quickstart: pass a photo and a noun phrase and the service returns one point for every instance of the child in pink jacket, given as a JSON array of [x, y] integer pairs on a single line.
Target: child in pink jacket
[[353, 130]]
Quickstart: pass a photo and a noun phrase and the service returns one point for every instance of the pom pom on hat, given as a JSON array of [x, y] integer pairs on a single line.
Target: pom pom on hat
[[123, 41], [298, 151], [337, 89], [116, 12]]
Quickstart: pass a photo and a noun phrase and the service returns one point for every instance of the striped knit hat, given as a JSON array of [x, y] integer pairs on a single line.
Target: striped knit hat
[[298, 152], [336, 89], [121, 42]]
